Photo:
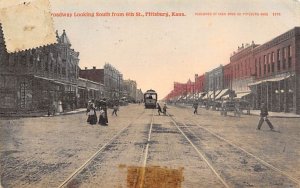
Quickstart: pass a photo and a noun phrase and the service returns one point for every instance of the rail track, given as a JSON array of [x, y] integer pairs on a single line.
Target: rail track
[[238, 159], [200, 153], [106, 145]]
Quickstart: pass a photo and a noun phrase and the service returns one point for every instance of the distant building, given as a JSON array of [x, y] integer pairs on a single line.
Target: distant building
[[268, 73], [109, 76], [113, 82], [200, 83], [39, 79], [139, 95], [130, 88]]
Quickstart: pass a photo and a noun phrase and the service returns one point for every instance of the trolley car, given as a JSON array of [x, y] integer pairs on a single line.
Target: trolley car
[[150, 98]]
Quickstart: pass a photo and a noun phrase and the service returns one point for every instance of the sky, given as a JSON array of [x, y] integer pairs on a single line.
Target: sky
[[158, 51]]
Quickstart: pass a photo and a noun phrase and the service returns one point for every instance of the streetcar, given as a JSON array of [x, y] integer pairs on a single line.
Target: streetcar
[[150, 98]]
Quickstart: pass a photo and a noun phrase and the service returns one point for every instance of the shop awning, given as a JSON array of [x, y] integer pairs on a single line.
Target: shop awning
[[217, 93], [240, 95], [81, 87], [95, 89], [225, 96], [208, 95], [270, 80], [222, 93], [43, 78]]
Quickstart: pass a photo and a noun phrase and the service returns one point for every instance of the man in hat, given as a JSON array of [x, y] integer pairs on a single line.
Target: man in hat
[[264, 117]]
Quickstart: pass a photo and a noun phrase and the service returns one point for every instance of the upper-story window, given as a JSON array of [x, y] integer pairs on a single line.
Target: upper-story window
[[289, 57], [259, 66], [278, 60], [289, 51], [284, 51], [278, 55]]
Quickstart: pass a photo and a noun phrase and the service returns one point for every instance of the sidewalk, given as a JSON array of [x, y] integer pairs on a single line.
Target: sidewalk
[[257, 113], [276, 114], [79, 110]]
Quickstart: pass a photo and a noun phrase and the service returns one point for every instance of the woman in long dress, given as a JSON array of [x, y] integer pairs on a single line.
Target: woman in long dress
[[103, 120], [92, 116]]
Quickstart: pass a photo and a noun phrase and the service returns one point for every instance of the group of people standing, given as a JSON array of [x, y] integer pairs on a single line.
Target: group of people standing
[[92, 115]]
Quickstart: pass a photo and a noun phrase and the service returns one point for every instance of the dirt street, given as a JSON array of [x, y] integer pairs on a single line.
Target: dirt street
[[139, 148]]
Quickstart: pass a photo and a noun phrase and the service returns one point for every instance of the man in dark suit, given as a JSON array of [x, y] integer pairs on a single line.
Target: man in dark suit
[[264, 117]]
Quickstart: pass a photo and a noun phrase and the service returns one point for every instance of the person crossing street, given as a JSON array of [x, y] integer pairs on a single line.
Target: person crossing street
[[264, 117], [115, 109], [159, 109], [195, 106]]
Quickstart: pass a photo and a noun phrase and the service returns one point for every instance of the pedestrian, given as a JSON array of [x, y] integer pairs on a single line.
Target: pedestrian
[[264, 117], [103, 106], [115, 109], [102, 120], [165, 109], [195, 106], [91, 111], [159, 109]]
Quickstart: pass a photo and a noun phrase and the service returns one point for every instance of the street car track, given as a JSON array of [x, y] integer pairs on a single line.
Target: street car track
[[285, 174], [200, 153], [250, 154], [146, 152], [107, 144]]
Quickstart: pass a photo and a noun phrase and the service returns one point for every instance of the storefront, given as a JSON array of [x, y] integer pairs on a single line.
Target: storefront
[[30, 94], [278, 93]]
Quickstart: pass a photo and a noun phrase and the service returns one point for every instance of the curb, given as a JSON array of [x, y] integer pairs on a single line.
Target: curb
[[41, 115], [270, 116], [276, 116]]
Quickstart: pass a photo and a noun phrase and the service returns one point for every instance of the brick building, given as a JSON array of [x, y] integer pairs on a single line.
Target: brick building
[[40, 78], [277, 70], [130, 88], [88, 90], [109, 76]]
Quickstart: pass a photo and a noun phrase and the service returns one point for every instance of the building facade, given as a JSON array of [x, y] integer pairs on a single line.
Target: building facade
[[109, 76], [200, 83], [113, 82], [40, 78], [139, 95], [130, 88], [277, 64], [88, 90]]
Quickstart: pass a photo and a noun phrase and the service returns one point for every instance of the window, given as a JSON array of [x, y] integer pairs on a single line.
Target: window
[[283, 58], [278, 60], [259, 66], [289, 56], [278, 55], [289, 51], [273, 57], [256, 71]]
